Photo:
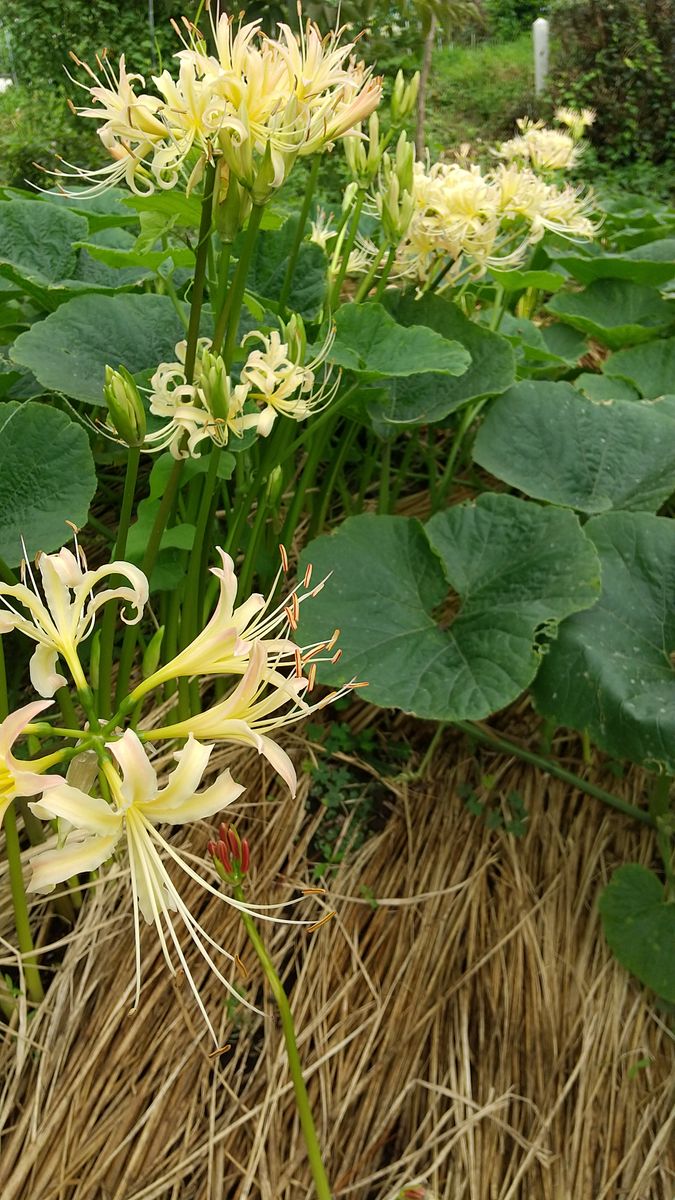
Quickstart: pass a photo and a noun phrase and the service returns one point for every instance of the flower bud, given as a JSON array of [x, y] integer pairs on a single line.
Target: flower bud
[[214, 382], [275, 485], [349, 194], [231, 213], [405, 163], [125, 407], [152, 652], [404, 97], [295, 338]]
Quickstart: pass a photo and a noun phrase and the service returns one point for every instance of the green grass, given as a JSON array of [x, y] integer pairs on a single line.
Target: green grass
[[475, 94]]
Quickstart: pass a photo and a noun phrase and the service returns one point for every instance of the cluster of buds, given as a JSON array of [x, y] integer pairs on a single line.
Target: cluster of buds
[[230, 854], [126, 414], [404, 97], [364, 160], [395, 201]]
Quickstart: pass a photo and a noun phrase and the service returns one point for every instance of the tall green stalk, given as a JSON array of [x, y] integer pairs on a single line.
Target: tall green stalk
[[299, 233], [307, 1125], [24, 936], [110, 615], [347, 249], [236, 296]]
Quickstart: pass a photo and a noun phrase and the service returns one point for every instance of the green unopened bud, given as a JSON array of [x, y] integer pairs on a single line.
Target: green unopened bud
[[275, 485], [214, 382], [296, 338], [230, 214], [404, 97], [374, 148], [350, 194], [125, 407], [405, 163], [152, 652], [355, 153]]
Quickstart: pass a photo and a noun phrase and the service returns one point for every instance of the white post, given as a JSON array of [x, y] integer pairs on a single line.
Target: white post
[[540, 40]]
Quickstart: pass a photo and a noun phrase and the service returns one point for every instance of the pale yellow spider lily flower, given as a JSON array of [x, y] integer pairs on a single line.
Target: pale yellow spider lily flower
[[68, 612], [263, 701], [283, 385], [15, 778], [223, 647], [95, 829]]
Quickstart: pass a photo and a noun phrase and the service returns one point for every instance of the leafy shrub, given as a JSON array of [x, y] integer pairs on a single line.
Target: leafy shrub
[[508, 19], [31, 136], [617, 58], [42, 34]]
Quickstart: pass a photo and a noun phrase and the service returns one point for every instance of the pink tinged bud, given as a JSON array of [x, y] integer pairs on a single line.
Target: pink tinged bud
[[245, 857], [222, 832], [233, 841]]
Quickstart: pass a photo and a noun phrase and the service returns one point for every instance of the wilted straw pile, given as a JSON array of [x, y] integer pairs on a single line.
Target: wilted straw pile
[[470, 1031]]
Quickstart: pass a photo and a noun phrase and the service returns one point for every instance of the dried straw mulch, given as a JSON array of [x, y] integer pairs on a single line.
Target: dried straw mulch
[[470, 1031]]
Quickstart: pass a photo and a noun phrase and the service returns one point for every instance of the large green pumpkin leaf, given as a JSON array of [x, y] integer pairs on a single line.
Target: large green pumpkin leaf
[[490, 371], [517, 569], [47, 477], [605, 387], [36, 242], [69, 350], [610, 671], [268, 269], [552, 443], [639, 925], [650, 368], [371, 343], [616, 312], [651, 264]]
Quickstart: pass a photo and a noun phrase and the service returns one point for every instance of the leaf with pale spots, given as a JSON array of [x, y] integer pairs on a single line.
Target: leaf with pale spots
[[516, 570], [611, 670], [639, 925]]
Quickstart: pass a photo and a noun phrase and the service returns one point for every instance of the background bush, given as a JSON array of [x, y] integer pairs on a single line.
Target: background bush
[[617, 56]]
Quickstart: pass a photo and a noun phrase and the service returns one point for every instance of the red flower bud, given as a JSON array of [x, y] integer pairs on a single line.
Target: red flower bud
[[245, 857]]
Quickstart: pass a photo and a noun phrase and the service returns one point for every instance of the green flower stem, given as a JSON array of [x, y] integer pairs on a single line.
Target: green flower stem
[[347, 249], [149, 559], [497, 309], [319, 1176], [248, 570], [236, 296], [470, 413], [505, 746], [222, 305], [110, 615], [329, 414], [34, 988], [386, 271], [384, 502], [305, 482], [412, 445], [339, 460], [190, 613], [299, 233], [201, 261], [368, 279]]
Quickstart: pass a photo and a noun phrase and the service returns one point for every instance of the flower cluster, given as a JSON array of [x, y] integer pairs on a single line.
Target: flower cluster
[[275, 380], [250, 642], [466, 220], [546, 149], [253, 106]]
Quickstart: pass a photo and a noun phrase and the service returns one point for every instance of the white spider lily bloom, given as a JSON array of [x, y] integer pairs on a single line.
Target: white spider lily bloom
[[95, 829], [576, 121], [223, 647], [67, 614], [209, 408], [545, 149], [15, 778], [281, 384], [253, 710]]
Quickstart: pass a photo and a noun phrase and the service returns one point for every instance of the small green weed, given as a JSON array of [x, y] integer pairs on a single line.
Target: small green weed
[[507, 813]]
